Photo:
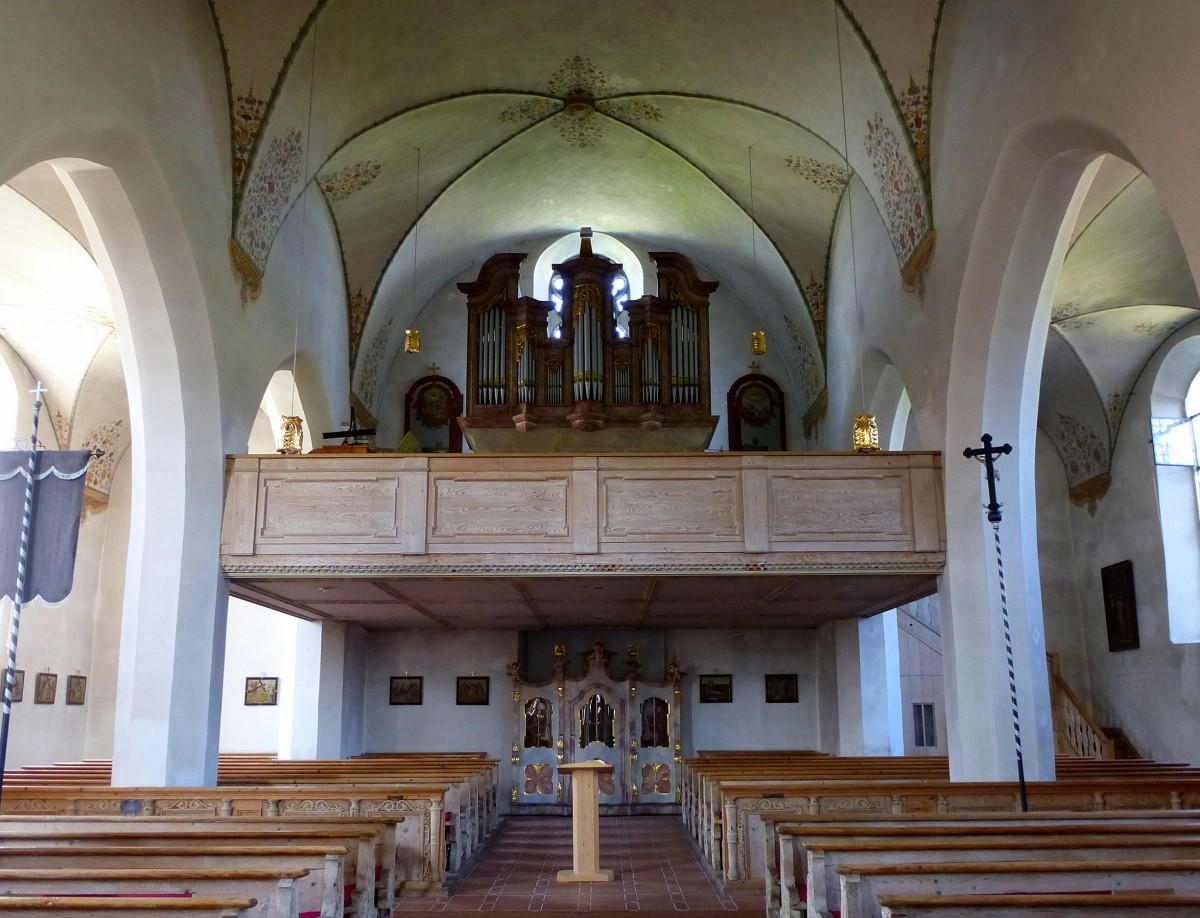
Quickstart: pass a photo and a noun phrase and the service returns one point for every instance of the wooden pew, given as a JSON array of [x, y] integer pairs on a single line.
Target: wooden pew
[[416, 810], [736, 836], [862, 885], [786, 832], [358, 868], [822, 889], [194, 907], [274, 890], [376, 836], [1055, 906], [320, 890]]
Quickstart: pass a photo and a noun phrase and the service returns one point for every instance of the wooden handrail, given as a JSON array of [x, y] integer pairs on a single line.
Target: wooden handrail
[[1076, 732]]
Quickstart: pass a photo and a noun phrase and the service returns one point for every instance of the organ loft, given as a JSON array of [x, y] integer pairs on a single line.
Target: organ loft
[[588, 368]]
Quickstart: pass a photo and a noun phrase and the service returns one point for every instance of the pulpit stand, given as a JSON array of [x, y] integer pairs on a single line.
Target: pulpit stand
[[585, 823]]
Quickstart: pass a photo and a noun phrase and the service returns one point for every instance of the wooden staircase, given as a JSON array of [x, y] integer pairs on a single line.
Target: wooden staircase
[[1076, 731]]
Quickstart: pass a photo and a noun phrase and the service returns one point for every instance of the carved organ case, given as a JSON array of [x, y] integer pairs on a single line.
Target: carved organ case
[[588, 358], [629, 722]]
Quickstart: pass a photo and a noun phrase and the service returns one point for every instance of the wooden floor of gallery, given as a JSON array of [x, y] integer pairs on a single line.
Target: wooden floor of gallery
[[657, 873]]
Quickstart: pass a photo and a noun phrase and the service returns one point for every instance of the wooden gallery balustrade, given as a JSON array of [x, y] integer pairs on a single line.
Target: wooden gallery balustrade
[[377, 514]]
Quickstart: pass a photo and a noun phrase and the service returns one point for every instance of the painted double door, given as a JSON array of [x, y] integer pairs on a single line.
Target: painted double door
[[632, 726]]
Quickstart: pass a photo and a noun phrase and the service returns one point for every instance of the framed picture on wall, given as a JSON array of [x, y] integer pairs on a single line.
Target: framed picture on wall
[[472, 690], [716, 689], [1120, 606], [781, 688], [76, 689], [406, 690], [45, 687], [18, 684], [262, 690]]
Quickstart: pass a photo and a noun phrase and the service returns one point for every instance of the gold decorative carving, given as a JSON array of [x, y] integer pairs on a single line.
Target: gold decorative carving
[[587, 296], [293, 435], [520, 338], [1089, 492], [412, 341], [249, 274], [758, 343], [866, 433], [912, 275]]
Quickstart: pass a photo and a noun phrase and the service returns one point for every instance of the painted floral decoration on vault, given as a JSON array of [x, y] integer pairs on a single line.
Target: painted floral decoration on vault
[[578, 76], [528, 111], [359, 307], [1115, 408], [247, 119], [372, 364], [631, 110], [106, 438], [914, 105], [1155, 329], [268, 194], [341, 184], [62, 429], [908, 220], [826, 176], [1084, 453], [814, 294], [810, 377]]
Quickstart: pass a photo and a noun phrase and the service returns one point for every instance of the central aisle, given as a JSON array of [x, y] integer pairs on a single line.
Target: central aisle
[[657, 873]]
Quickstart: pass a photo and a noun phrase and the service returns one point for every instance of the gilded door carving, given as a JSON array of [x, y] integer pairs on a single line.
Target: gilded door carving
[[616, 717]]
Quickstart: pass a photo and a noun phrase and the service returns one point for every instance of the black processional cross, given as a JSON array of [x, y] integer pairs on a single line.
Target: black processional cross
[[988, 454]]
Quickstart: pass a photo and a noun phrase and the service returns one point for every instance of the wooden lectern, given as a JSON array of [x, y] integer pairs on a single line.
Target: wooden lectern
[[585, 822]]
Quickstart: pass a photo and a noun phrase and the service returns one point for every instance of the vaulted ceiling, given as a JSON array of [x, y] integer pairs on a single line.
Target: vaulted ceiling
[[442, 132]]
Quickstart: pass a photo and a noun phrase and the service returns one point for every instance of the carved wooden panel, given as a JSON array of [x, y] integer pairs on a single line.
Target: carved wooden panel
[[495, 508], [703, 507], [851, 508], [327, 508]]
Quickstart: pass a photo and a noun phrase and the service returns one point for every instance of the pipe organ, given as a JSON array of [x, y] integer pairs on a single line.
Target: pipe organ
[[541, 374]]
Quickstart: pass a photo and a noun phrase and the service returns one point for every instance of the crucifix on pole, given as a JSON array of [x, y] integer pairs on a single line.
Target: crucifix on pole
[[988, 454]]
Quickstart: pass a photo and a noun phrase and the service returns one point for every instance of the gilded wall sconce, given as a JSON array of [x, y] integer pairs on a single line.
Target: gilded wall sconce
[[412, 341], [293, 435], [866, 433], [758, 343]]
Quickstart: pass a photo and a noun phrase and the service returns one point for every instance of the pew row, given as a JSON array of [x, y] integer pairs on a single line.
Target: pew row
[[274, 891], [415, 811], [863, 885], [151, 907], [1034, 906], [820, 895]]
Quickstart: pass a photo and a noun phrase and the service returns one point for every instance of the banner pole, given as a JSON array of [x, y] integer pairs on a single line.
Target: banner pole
[[19, 594]]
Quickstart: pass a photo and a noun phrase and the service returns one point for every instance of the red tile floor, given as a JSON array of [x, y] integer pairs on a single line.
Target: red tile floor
[[657, 873]]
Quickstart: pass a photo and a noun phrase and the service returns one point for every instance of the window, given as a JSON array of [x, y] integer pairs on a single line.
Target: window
[[620, 297], [537, 724], [924, 731], [597, 722], [554, 320]]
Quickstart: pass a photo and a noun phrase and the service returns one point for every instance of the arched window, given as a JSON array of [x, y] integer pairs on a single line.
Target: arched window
[[1175, 429], [554, 320], [620, 300], [597, 722]]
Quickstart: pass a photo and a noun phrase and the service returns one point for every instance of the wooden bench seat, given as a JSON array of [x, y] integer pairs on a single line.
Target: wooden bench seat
[[821, 890], [320, 891], [359, 873], [862, 885], [1037, 906], [275, 890], [379, 835], [786, 833], [148, 907]]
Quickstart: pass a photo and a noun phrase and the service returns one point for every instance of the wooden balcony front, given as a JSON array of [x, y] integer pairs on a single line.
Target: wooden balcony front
[[377, 515]]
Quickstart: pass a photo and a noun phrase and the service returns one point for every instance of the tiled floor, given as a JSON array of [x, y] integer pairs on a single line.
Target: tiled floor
[[656, 874]]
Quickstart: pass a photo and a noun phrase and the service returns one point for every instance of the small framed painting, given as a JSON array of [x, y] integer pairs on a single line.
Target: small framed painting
[[1120, 606], [472, 690], [262, 690], [716, 689], [18, 684], [76, 689], [781, 688], [406, 690], [45, 687]]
